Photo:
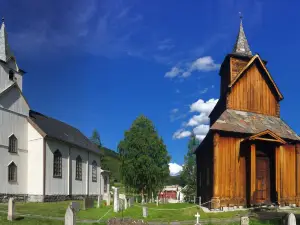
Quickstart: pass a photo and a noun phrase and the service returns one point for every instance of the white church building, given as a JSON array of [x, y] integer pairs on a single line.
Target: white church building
[[41, 158]]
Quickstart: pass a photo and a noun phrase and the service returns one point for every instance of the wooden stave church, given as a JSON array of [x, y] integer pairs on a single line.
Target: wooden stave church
[[249, 156]]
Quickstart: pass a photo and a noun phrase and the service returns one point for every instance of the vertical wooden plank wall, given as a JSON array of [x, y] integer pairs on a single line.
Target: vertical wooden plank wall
[[253, 172], [252, 93], [230, 175], [288, 174], [278, 158], [298, 174]]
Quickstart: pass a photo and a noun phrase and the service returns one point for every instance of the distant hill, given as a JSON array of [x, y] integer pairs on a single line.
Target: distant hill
[[111, 161], [173, 180]]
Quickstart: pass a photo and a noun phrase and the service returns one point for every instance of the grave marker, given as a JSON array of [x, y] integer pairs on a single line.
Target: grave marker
[[244, 220], [116, 200], [75, 206], [70, 216], [145, 211], [11, 209], [197, 218], [289, 219]]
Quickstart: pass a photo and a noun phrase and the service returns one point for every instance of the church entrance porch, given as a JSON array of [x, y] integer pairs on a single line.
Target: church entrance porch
[[261, 173]]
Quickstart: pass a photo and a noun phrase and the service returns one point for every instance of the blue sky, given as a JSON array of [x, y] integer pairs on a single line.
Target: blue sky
[[100, 64]]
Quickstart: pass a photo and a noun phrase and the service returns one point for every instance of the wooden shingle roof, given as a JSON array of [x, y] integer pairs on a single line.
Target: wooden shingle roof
[[253, 123]]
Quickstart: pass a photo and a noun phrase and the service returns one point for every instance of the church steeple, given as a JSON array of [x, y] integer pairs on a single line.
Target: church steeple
[[241, 46], [5, 52]]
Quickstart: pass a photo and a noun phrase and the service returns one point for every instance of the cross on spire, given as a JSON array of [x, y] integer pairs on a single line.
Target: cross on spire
[[241, 46]]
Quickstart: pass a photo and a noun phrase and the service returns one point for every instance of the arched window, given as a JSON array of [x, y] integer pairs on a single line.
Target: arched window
[[13, 144], [57, 160], [94, 171], [12, 172], [78, 168]]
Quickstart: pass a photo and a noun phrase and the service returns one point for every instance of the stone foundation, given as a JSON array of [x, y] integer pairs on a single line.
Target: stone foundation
[[18, 197], [40, 198]]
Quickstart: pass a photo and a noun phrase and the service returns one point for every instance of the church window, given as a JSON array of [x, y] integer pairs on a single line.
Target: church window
[[57, 161], [13, 144], [94, 171], [12, 172], [11, 75], [78, 168], [105, 184]]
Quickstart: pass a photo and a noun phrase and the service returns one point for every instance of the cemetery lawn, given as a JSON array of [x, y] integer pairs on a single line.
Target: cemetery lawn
[[178, 212]]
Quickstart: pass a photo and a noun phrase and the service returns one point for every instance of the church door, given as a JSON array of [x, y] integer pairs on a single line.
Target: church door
[[262, 180]]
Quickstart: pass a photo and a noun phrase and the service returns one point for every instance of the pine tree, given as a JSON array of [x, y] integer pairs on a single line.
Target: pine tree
[[144, 158], [188, 173]]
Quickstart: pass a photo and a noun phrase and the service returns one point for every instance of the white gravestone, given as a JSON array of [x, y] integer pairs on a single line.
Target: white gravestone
[[245, 220], [11, 210], [145, 211], [125, 203], [290, 219], [75, 206], [116, 200], [156, 200], [70, 216], [108, 199], [197, 218], [99, 201]]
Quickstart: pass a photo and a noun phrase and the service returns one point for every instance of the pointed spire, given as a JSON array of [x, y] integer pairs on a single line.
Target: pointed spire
[[241, 46], [5, 52]]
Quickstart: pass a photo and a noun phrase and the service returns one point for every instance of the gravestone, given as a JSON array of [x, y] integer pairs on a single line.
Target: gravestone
[[75, 206], [289, 219], [197, 218], [99, 201], [88, 203], [156, 200], [145, 211], [11, 210], [108, 199], [116, 200], [70, 216], [125, 203], [244, 220]]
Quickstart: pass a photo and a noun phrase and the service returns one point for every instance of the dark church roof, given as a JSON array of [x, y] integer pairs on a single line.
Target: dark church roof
[[61, 131], [253, 123]]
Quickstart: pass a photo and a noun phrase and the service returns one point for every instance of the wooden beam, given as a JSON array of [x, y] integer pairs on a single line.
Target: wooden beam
[[298, 173], [267, 139], [253, 172], [216, 165], [278, 172]]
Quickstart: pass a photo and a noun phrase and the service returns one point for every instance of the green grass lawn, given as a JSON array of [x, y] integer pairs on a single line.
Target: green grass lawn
[[163, 212]]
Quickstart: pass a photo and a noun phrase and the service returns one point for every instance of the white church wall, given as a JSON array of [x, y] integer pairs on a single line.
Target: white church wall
[[4, 77], [11, 123], [79, 187], [14, 101], [35, 162], [94, 187], [56, 186]]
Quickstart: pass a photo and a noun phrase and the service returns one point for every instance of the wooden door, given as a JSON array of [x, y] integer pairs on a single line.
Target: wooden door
[[262, 180]]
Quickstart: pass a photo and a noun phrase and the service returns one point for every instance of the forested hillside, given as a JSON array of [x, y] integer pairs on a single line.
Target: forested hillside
[[111, 162]]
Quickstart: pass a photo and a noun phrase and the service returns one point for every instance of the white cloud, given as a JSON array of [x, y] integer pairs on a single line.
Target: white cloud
[[175, 71], [181, 133], [202, 64], [199, 122], [165, 45], [198, 119], [175, 169], [202, 106]]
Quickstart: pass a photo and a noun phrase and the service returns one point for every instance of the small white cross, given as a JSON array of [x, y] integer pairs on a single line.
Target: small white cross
[[197, 216]]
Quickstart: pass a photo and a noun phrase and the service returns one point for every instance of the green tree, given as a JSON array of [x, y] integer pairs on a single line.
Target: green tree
[[144, 158], [95, 138], [188, 173]]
